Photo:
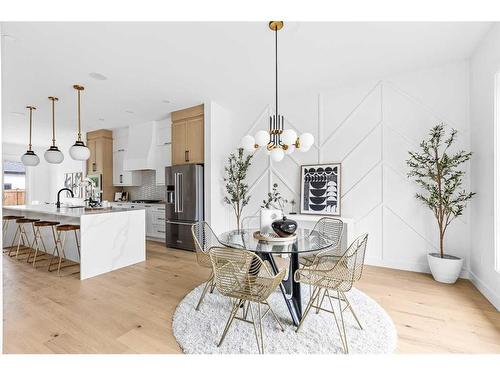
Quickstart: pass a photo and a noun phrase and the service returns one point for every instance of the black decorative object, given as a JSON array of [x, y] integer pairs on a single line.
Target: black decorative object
[[320, 189], [284, 227]]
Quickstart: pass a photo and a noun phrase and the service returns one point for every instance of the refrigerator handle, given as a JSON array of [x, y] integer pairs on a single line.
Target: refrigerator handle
[[176, 191], [180, 205]]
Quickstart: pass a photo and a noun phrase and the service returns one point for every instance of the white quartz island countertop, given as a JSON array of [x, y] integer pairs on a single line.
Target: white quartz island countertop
[[68, 211], [110, 238]]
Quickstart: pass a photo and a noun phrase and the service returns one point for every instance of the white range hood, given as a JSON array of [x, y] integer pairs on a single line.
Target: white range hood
[[141, 146]]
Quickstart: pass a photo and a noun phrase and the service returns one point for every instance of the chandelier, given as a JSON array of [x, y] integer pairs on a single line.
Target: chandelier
[[278, 141]]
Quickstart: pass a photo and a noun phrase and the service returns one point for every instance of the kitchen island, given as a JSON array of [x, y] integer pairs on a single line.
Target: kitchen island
[[110, 238]]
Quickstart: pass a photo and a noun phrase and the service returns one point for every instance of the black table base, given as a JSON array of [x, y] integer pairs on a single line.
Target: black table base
[[289, 288]]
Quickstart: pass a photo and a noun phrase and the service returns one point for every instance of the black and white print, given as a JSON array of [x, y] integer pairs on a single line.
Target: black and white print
[[320, 189]]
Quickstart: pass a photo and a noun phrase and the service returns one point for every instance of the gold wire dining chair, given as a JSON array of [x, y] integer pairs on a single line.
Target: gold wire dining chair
[[329, 227], [204, 239], [250, 222], [331, 277], [244, 277]]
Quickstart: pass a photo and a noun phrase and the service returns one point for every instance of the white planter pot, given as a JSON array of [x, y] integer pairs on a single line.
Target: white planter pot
[[267, 216], [445, 270]]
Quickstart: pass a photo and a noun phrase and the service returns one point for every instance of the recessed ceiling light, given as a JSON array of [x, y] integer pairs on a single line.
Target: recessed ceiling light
[[101, 119], [98, 76], [166, 101], [129, 111]]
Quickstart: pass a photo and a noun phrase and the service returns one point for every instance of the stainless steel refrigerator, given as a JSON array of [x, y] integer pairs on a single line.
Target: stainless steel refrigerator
[[184, 204]]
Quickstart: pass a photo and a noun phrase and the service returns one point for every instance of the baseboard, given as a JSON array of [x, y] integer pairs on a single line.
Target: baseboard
[[485, 290], [414, 267]]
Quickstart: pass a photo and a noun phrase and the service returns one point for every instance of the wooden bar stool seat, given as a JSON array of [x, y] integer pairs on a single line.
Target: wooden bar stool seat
[[46, 223], [59, 251], [12, 217], [67, 227], [23, 236], [39, 239], [6, 219]]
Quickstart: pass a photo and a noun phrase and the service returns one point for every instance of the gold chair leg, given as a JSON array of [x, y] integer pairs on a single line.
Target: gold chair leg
[[255, 328], [320, 301], [337, 323], [260, 329], [234, 311], [205, 289], [275, 317], [350, 308], [316, 291]]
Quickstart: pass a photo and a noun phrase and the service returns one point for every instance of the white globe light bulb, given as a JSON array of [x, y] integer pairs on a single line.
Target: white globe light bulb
[[290, 149], [306, 140], [30, 159], [79, 151], [277, 154], [304, 149], [248, 143], [261, 138], [53, 155], [289, 136]]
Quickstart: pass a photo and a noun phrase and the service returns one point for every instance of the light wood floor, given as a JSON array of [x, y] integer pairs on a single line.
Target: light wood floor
[[130, 310]]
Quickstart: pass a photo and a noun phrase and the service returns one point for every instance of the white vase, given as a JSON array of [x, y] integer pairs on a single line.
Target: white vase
[[267, 216], [445, 270]]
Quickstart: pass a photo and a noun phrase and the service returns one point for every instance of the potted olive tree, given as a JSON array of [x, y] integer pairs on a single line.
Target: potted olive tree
[[439, 176], [236, 187]]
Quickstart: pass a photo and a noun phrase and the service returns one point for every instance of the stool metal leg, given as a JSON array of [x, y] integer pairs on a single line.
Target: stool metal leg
[[38, 236], [22, 232], [13, 244], [55, 250]]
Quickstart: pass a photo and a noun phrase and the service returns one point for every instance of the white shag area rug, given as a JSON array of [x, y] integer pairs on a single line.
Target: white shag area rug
[[198, 332]]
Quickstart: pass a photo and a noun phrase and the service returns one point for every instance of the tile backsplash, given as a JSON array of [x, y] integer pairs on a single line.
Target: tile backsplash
[[148, 189]]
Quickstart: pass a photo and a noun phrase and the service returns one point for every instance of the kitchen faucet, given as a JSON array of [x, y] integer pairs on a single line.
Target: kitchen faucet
[[58, 204]]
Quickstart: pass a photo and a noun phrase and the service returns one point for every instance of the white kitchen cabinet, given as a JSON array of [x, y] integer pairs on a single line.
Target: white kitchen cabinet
[[163, 158], [163, 133], [155, 218], [122, 177]]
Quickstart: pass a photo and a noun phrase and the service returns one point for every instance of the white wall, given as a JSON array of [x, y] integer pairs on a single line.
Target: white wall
[[369, 127], [485, 64]]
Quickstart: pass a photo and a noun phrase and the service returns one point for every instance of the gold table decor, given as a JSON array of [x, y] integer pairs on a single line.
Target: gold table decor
[[273, 237]]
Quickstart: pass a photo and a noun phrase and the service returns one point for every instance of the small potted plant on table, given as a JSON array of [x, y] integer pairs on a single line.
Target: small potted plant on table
[[440, 178]]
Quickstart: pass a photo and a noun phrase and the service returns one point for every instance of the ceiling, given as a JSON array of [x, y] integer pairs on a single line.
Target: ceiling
[[154, 68]]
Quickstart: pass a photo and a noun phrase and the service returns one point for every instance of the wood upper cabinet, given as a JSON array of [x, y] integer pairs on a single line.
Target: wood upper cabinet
[[188, 136], [100, 144], [179, 144]]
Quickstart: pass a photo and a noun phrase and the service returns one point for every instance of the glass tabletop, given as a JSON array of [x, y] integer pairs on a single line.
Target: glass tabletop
[[307, 241]]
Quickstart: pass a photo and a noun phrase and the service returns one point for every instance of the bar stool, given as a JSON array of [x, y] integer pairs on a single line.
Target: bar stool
[[60, 229], [6, 219], [39, 238], [22, 232]]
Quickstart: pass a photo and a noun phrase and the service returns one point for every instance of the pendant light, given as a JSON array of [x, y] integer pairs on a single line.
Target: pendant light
[[53, 155], [79, 151], [30, 159], [278, 141]]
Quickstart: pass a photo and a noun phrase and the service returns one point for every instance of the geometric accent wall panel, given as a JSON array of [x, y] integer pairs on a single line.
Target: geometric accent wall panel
[[369, 129]]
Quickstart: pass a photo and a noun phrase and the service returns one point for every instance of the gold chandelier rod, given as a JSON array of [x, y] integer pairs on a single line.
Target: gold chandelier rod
[[53, 99], [31, 108], [79, 88]]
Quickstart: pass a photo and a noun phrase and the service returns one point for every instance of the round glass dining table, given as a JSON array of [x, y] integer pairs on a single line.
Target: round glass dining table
[[306, 243]]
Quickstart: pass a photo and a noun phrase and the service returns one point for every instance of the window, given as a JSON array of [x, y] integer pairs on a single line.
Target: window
[[14, 183]]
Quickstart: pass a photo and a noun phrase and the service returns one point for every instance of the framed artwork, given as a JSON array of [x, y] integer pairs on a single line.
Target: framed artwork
[[320, 189]]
